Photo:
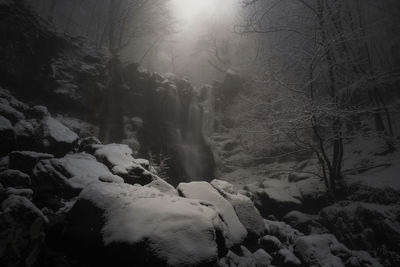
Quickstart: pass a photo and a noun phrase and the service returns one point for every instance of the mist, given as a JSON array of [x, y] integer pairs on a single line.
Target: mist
[[180, 133]]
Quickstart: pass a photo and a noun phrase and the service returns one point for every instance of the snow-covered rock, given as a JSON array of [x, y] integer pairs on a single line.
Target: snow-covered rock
[[53, 137], [285, 258], [26, 161], [247, 213], [275, 197], [21, 232], [241, 257], [366, 226], [315, 250], [70, 174], [140, 226], [163, 186], [14, 178], [119, 159], [305, 223], [284, 232], [262, 258], [205, 191]]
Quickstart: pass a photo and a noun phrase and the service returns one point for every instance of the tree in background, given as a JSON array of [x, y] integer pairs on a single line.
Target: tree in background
[[324, 62]]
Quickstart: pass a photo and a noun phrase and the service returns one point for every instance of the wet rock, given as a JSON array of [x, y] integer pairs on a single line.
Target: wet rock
[[15, 178], [53, 137], [24, 131], [7, 136], [26, 161], [11, 113], [270, 243], [21, 232], [305, 223]]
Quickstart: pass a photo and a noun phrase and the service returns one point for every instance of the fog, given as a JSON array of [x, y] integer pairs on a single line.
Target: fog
[[202, 45]]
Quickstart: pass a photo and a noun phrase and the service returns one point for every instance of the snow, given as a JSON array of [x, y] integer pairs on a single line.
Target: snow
[[247, 213], [84, 169], [56, 130], [118, 156], [163, 186], [205, 191], [180, 231]]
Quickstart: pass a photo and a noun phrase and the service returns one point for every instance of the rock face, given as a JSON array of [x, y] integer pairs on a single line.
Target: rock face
[[246, 211], [204, 191], [142, 226]]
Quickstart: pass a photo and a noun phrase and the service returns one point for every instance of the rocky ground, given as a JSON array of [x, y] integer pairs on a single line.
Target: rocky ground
[[68, 200]]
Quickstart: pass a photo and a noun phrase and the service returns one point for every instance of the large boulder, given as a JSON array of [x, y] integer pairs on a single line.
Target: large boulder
[[119, 158], [123, 225], [53, 137], [21, 232], [67, 176], [206, 192], [247, 213]]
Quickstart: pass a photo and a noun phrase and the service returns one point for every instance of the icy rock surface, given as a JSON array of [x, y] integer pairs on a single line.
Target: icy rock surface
[[147, 224], [205, 191]]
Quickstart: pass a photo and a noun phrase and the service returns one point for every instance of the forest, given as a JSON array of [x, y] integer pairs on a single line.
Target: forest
[[179, 133]]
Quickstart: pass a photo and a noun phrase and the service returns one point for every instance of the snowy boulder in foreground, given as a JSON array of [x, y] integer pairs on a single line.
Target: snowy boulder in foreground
[[53, 137], [247, 213], [205, 191], [119, 159], [70, 174], [127, 225]]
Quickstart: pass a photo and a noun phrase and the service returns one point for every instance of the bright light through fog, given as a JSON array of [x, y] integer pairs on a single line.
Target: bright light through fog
[[191, 9]]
